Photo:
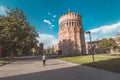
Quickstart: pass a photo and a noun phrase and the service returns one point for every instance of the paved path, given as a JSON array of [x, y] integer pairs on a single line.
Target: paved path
[[32, 69]]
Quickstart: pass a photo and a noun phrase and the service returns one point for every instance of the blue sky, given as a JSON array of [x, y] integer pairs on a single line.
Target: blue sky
[[101, 17]]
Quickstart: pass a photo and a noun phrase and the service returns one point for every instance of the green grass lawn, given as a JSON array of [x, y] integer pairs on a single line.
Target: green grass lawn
[[104, 61], [2, 62]]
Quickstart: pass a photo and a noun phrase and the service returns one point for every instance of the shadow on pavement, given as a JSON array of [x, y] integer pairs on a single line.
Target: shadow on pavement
[[54, 64], [70, 73]]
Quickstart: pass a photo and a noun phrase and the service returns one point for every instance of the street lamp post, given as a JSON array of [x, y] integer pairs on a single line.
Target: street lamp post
[[89, 33]]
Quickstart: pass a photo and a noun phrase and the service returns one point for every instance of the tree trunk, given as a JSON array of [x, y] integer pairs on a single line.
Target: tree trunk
[[0, 56], [12, 55], [0, 52]]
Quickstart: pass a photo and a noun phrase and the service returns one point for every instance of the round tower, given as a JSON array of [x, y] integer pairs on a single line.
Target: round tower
[[71, 34]]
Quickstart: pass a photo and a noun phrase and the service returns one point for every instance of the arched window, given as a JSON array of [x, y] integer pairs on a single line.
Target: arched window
[[72, 23], [67, 23]]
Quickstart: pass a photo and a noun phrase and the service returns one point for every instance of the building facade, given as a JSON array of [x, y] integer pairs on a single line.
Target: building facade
[[92, 47], [71, 34]]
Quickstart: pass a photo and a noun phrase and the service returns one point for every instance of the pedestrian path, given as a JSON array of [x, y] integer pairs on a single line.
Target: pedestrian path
[[54, 70], [30, 66]]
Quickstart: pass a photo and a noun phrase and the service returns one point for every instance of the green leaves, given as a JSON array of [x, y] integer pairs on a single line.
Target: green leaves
[[107, 44], [18, 33]]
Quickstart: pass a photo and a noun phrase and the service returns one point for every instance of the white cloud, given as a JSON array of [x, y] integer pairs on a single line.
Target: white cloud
[[49, 13], [50, 22], [47, 39], [105, 31], [52, 25], [107, 28], [2, 10], [54, 16], [47, 21]]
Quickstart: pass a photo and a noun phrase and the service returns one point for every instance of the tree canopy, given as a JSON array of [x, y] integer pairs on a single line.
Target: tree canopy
[[107, 44], [16, 33]]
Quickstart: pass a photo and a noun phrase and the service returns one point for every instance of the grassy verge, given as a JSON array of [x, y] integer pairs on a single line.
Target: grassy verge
[[2, 62], [103, 61]]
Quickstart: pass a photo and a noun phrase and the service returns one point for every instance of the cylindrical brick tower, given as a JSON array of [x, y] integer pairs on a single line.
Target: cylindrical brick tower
[[71, 34]]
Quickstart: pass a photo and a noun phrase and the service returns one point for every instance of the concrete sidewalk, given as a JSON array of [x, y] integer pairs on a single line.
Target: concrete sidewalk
[[54, 70]]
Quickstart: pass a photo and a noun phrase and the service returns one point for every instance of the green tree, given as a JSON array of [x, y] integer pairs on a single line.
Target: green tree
[[50, 49], [118, 40], [118, 37], [107, 44], [18, 34]]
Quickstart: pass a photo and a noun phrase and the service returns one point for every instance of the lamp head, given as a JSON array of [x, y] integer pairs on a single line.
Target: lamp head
[[88, 32]]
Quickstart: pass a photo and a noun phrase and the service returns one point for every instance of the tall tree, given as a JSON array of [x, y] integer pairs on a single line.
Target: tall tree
[[107, 44], [118, 37], [19, 35]]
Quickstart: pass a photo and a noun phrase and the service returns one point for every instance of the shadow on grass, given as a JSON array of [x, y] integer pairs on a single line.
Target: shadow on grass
[[56, 56], [111, 64]]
